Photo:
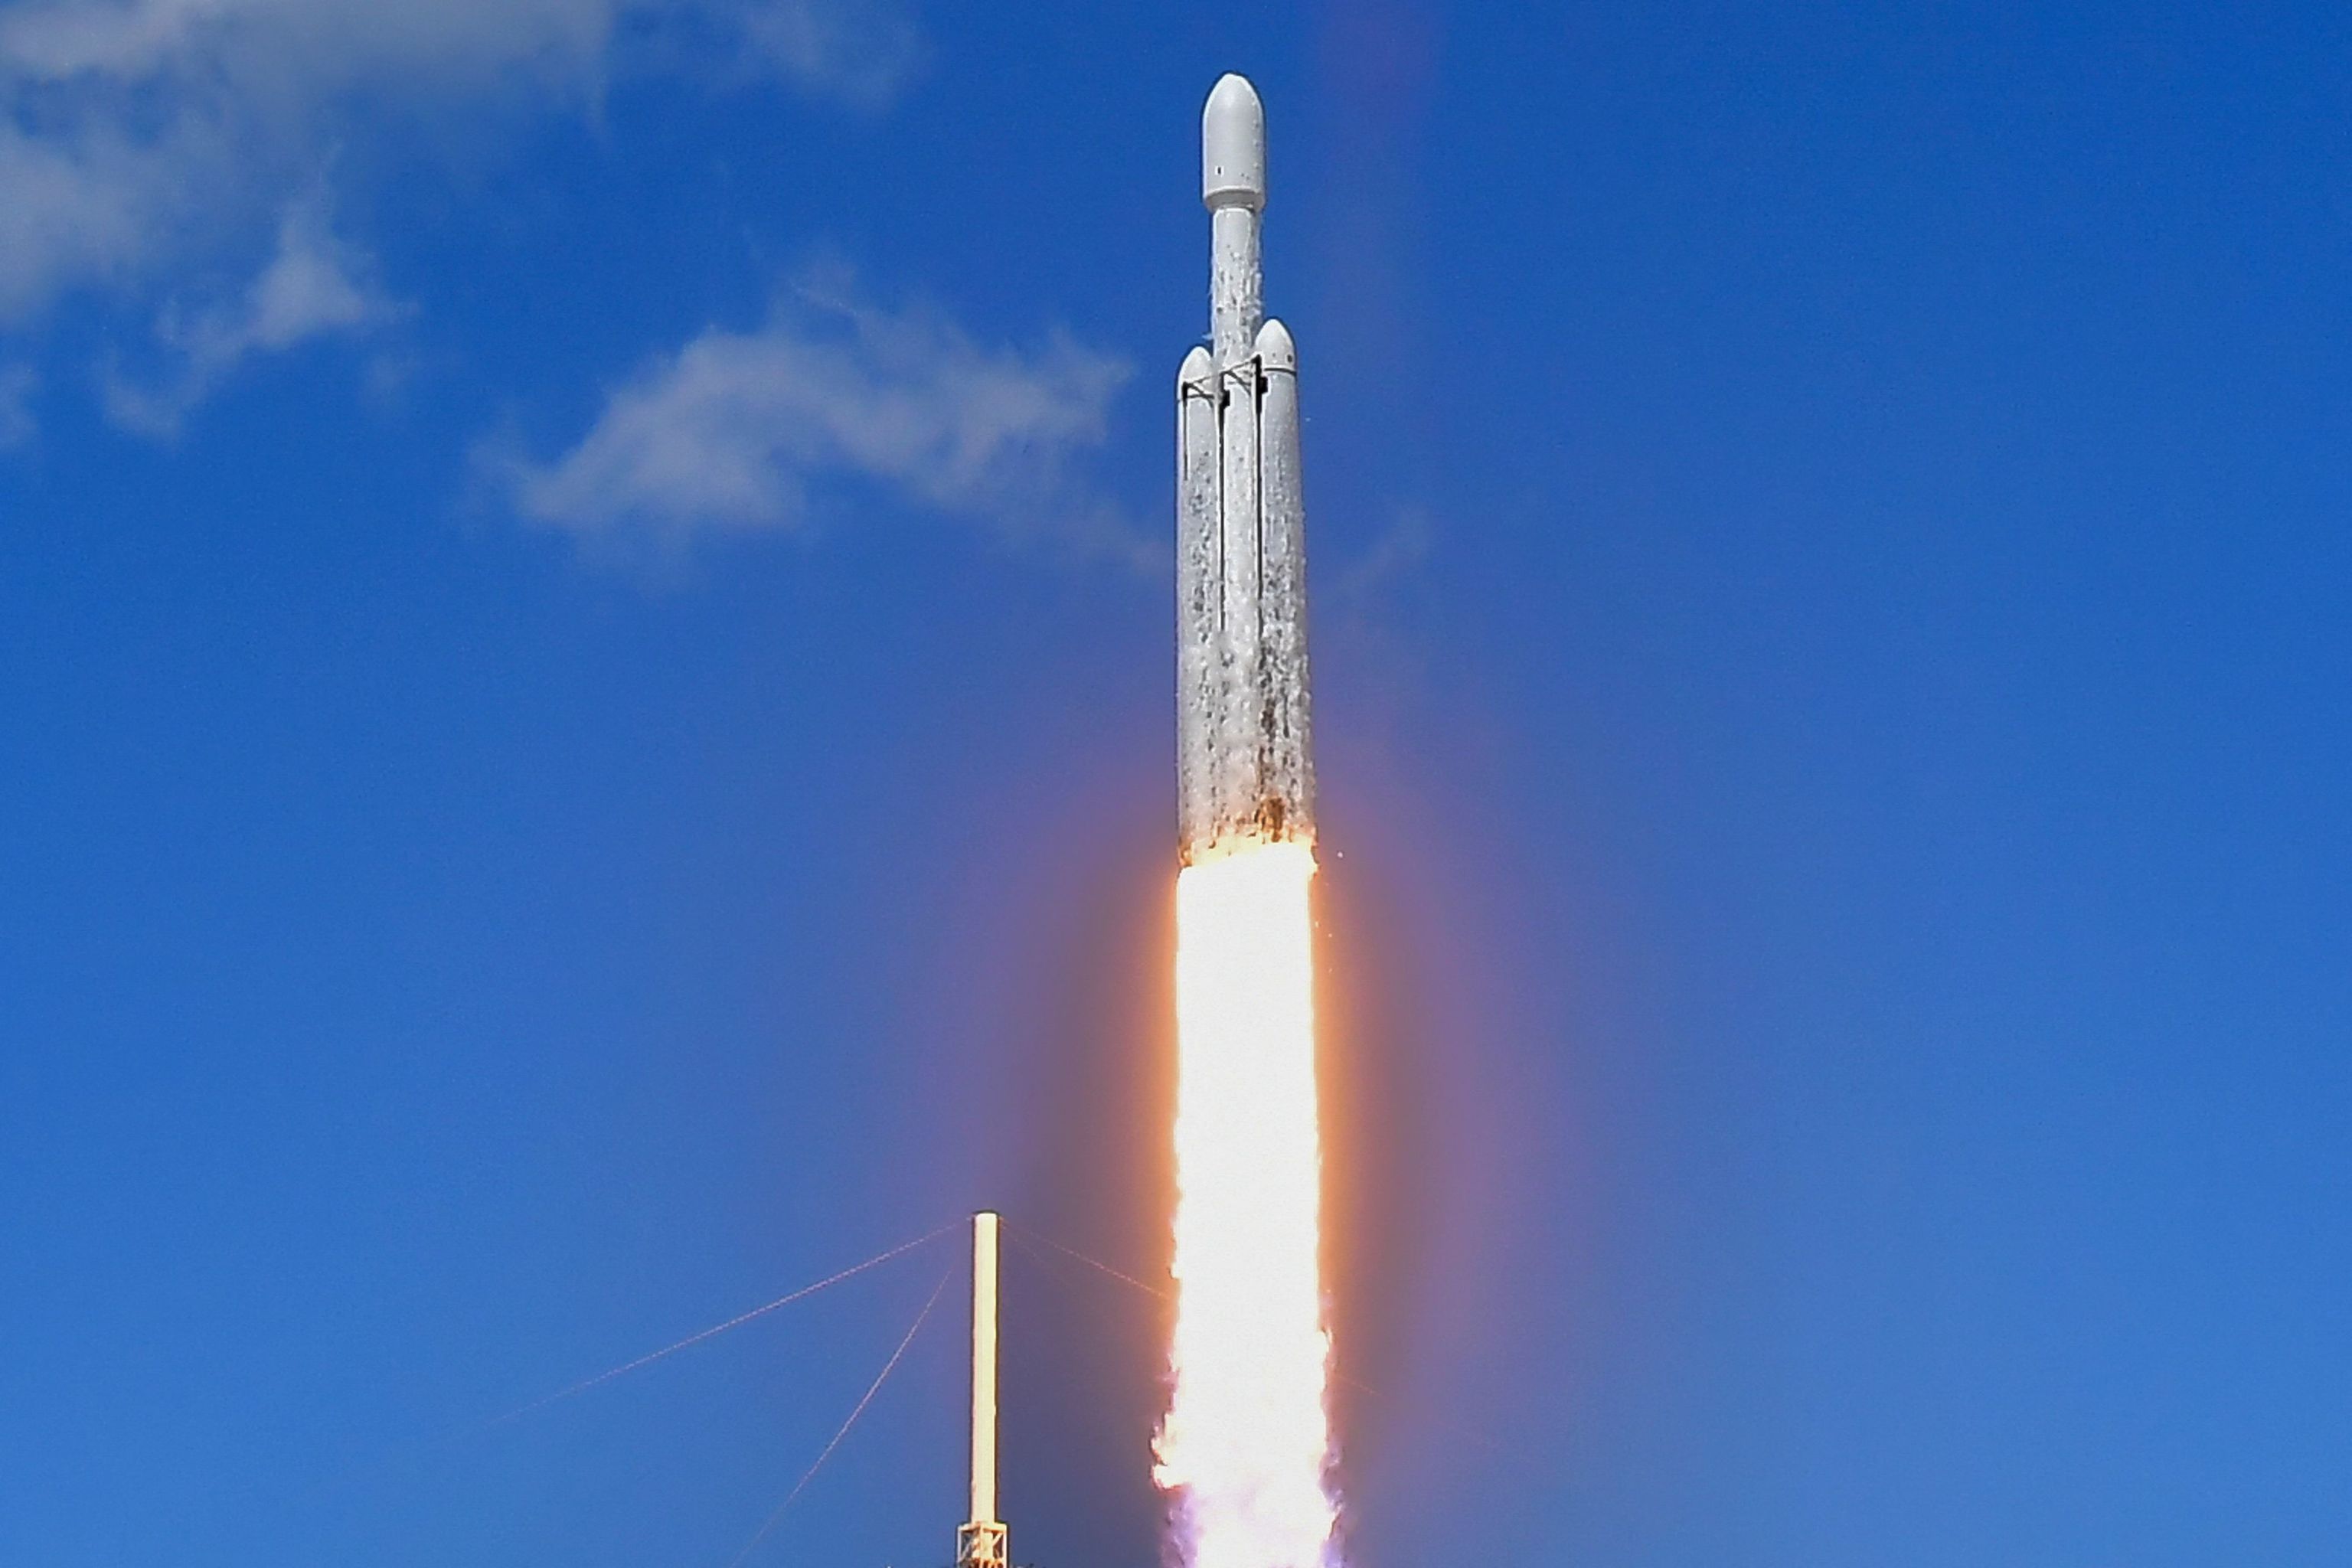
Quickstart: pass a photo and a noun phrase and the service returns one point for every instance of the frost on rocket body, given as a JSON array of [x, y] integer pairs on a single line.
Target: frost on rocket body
[[1244, 767]]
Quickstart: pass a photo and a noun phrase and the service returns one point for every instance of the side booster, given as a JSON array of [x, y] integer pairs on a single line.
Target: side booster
[[1245, 771]]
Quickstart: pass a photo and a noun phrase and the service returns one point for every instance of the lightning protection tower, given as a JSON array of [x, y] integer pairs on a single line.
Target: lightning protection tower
[[981, 1541]]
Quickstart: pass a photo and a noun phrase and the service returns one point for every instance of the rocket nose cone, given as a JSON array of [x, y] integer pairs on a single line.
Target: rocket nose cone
[[1275, 349], [1233, 145]]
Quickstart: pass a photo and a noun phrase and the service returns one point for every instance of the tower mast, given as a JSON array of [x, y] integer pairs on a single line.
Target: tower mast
[[981, 1542]]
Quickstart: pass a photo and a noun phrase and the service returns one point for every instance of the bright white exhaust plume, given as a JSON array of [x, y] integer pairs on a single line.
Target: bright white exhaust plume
[[1247, 1444]]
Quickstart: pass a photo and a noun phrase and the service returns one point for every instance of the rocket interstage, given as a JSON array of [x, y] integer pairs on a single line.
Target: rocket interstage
[[1245, 771], [1246, 1449]]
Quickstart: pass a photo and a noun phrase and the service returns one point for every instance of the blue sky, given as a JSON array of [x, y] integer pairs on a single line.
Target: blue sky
[[585, 738]]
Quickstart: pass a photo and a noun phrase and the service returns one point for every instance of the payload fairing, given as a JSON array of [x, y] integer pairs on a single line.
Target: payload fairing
[[1245, 771]]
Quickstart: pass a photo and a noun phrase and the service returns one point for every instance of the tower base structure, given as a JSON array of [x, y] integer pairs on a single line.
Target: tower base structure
[[982, 1545]]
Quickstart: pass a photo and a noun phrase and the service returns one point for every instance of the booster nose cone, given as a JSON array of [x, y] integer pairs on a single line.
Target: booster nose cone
[[1275, 348], [1233, 146]]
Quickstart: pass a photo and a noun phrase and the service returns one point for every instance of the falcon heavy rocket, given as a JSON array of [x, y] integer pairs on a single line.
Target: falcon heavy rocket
[[1244, 771]]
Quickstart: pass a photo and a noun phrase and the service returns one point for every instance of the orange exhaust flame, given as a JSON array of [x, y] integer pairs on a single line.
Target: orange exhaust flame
[[1246, 1448]]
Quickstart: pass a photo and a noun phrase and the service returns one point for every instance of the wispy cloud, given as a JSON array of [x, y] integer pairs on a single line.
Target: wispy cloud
[[314, 285], [736, 430], [74, 210], [141, 138], [16, 384], [860, 51], [1393, 554]]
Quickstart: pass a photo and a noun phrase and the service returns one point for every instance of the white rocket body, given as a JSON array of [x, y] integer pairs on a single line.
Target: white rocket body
[[1244, 769]]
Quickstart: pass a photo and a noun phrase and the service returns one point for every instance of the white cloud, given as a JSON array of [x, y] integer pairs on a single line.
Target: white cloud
[[133, 132], [1398, 548], [140, 137], [862, 53], [73, 210], [285, 51], [314, 285], [16, 384], [733, 431], [307, 45]]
